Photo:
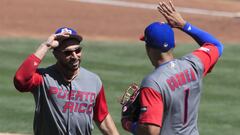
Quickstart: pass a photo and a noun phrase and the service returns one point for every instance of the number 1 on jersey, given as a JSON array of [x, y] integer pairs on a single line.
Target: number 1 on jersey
[[186, 95]]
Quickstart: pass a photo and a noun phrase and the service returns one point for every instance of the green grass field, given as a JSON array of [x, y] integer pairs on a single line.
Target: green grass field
[[119, 64]]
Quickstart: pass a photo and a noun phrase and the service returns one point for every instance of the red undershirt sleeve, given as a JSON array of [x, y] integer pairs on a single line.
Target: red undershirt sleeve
[[100, 108], [27, 77], [152, 104], [208, 54]]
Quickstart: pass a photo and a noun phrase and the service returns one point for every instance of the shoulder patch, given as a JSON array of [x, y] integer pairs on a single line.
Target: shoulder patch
[[207, 50], [143, 109]]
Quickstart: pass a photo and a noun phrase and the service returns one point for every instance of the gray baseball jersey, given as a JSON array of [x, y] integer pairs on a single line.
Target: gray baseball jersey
[[65, 108], [177, 85], [62, 108]]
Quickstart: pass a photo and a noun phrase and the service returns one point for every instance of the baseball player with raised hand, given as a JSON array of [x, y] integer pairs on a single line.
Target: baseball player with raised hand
[[169, 96], [68, 97]]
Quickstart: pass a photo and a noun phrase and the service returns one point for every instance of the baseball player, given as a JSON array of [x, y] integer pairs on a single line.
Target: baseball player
[[68, 97], [170, 95]]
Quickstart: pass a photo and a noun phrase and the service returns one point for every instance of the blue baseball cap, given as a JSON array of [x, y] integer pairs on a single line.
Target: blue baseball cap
[[159, 35], [73, 34]]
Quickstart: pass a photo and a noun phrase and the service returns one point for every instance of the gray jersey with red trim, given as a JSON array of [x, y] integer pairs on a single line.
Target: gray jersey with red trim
[[65, 108], [179, 82]]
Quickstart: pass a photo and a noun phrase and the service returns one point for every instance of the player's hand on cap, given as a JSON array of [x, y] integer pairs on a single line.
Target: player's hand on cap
[[53, 40], [171, 15]]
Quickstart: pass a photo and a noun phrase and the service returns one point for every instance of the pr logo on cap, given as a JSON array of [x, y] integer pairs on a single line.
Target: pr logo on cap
[[66, 30], [72, 33]]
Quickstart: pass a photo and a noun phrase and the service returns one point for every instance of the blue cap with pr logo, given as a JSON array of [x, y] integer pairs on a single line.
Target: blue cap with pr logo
[[72, 32], [160, 36]]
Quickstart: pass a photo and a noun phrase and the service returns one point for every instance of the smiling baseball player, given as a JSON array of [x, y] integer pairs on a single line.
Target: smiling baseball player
[[68, 97]]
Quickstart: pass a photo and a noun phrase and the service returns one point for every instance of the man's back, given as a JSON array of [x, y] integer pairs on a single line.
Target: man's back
[[169, 97], [179, 83]]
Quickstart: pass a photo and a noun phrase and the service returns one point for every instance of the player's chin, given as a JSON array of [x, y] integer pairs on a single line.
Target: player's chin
[[74, 66]]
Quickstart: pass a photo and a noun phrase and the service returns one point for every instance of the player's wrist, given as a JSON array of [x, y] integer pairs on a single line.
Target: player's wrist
[[186, 26], [46, 45], [183, 24]]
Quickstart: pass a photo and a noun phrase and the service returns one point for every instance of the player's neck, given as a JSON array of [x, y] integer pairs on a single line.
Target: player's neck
[[164, 58], [67, 74]]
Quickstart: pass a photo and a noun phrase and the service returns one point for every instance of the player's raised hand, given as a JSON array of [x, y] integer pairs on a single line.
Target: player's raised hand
[[171, 15], [53, 40]]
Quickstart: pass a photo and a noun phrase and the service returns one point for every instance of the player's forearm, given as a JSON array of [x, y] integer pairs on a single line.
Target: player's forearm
[[199, 35], [202, 37], [107, 126], [42, 51], [26, 76]]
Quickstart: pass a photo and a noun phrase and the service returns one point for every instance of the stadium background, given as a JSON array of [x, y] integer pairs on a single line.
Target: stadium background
[[113, 51]]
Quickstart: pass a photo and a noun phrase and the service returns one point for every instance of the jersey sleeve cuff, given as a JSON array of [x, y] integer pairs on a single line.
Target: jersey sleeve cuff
[[150, 121], [187, 27], [35, 58]]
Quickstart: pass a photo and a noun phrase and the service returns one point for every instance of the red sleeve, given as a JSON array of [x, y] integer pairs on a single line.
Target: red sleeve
[[26, 77], [208, 54], [151, 107], [100, 108]]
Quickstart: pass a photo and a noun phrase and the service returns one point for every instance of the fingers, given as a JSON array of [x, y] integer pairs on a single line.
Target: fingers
[[161, 10], [53, 42], [50, 39], [171, 15], [165, 8], [172, 6], [62, 35]]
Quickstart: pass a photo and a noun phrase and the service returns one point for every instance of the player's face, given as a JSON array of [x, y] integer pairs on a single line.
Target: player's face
[[69, 54]]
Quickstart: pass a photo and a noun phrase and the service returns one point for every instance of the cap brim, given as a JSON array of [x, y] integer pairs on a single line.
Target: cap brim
[[142, 38], [77, 37]]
